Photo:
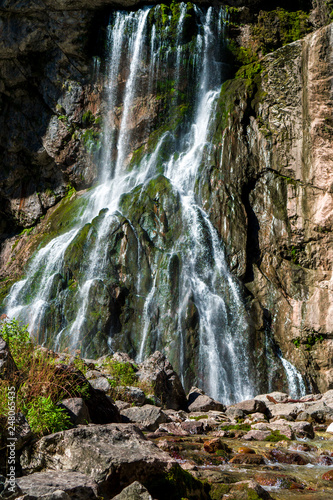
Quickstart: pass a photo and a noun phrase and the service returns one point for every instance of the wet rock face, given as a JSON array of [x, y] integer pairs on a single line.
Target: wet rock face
[[275, 181], [44, 94]]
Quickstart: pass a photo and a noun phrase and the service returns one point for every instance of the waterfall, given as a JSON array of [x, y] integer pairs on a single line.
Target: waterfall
[[183, 299]]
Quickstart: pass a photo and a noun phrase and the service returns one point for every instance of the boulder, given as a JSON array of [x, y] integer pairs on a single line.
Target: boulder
[[77, 410], [58, 485], [303, 430], [101, 408], [234, 413], [113, 455], [101, 384], [158, 371], [212, 445], [283, 427], [256, 435], [7, 364], [193, 426], [135, 491], [149, 416], [328, 476], [132, 395], [278, 396], [251, 406], [319, 412], [284, 457], [122, 405], [286, 409], [198, 401]]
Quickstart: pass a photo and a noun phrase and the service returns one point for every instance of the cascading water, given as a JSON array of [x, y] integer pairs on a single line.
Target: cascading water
[[183, 298]]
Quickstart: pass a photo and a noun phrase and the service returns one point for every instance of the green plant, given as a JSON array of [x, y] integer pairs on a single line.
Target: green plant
[[88, 119], [45, 417], [297, 342], [18, 340], [236, 427]]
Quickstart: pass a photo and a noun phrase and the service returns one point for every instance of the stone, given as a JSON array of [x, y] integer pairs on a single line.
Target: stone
[[148, 416], [215, 444], [247, 459], [122, 405], [278, 396], [113, 455], [248, 489], [330, 428], [135, 491], [158, 371], [281, 480], [328, 476], [193, 426], [251, 406], [100, 406], [132, 394], [284, 457], [173, 428], [255, 417], [7, 364], [245, 449], [198, 401], [77, 410], [286, 409], [176, 416], [101, 384], [283, 427], [303, 430], [234, 413], [92, 374], [56, 484], [320, 412], [256, 435]]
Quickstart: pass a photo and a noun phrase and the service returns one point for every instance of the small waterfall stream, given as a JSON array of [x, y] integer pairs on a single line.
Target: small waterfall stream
[[225, 356]]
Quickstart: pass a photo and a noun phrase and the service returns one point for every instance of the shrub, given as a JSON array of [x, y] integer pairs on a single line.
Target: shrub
[[45, 417]]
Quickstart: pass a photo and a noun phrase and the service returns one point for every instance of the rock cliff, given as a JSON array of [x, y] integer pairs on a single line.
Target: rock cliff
[[268, 191]]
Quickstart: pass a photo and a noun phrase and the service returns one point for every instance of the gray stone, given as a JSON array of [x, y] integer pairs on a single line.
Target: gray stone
[[256, 435], [158, 371], [100, 383], [110, 454], [92, 374], [251, 406], [135, 491], [234, 413], [55, 484], [303, 430], [132, 394], [148, 416], [77, 410], [198, 401]]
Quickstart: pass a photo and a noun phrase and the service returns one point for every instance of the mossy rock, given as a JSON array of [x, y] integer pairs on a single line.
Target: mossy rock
[[178, 485]]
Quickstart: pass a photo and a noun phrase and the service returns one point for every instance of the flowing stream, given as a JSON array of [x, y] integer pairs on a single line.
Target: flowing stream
[[225, 356]]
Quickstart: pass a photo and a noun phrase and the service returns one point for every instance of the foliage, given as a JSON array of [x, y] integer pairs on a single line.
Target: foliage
[[40, 383], [279, 27], [45, 417], [18, 340], [309, 341], [88, 119]]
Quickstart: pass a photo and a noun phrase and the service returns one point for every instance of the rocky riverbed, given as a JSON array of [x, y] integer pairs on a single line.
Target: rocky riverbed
[[154, 442]]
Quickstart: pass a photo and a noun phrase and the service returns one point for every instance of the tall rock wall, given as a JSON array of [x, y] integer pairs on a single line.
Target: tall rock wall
[[268, 191], [270, 196]]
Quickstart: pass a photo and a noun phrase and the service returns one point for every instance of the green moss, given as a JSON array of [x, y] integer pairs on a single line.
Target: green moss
[[279, 27], [199, 417], [177, 484], [88, 119], [91, 140], [237, 427], [276, 436], [218, 490]]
